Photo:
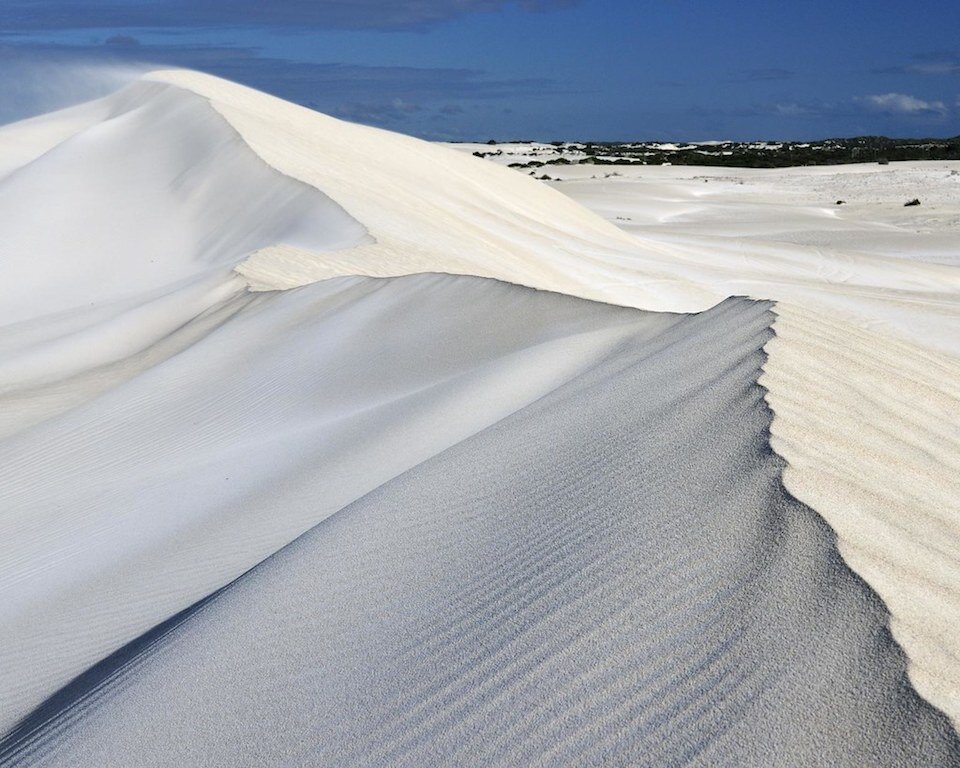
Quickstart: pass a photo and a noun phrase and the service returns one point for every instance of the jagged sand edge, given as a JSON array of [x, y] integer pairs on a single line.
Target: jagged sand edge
[[860, 421]]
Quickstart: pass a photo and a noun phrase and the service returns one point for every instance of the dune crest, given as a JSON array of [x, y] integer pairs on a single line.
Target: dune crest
[[157, 191]]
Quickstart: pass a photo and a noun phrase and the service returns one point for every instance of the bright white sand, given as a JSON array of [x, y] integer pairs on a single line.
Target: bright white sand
[[431, 209], [867, 412], [165, 429], [163, 177], [907, 297]]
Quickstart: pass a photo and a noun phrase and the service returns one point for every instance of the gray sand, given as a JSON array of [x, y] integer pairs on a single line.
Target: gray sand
[[613, 575]]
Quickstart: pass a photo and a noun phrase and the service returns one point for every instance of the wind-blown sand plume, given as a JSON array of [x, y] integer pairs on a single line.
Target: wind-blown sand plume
[[643, 592]]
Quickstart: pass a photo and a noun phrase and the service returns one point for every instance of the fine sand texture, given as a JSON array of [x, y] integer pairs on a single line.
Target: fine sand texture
[[613, 574], [867, 413]]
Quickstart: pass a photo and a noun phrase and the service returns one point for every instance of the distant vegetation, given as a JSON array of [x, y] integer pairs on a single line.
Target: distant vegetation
[[863, 149]]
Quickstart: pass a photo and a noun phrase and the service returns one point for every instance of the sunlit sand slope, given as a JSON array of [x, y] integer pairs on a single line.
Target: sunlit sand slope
[[870, 426]]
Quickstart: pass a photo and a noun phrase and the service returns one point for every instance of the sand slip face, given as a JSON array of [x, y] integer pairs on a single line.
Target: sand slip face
[[613, 574], [122, 220]]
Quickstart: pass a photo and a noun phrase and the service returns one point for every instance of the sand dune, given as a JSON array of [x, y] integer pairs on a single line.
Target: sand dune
[[156, 199], [535, 528], [869, 426], [912, 301], [164, 177], [605, 605], [862, 378], [132, 506]]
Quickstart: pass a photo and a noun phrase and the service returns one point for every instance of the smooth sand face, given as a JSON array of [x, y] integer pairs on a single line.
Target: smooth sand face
[[161, 442], [164, 178], [612, 574]]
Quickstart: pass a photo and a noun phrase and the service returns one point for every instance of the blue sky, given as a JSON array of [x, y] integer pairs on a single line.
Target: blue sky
[[545, 69]]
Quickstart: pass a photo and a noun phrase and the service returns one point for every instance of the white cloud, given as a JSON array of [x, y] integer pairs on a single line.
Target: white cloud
[[941, 63], [790, 110], [902, 104], [935, 68]]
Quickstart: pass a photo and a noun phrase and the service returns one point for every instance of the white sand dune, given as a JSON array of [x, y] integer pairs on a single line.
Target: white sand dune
[[604, 605], [132, 506], [913, 301], [148, 199], [172, 413], [867, 404], [161, 176]]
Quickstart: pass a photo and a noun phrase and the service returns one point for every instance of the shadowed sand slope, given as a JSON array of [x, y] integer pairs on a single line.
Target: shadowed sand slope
[[612, 575], [279, 411], [122, 220]]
